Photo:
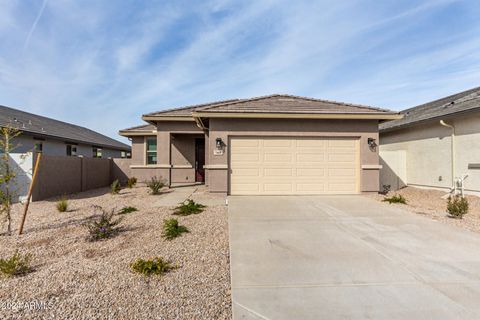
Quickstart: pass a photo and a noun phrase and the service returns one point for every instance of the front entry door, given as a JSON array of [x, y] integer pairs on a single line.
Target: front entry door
[[199, 160]]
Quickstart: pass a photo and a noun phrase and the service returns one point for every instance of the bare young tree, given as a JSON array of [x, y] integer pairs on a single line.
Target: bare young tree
[[8, 174]]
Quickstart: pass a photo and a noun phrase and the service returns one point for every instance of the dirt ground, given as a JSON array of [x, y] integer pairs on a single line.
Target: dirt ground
[[77, 279], [431, 204]]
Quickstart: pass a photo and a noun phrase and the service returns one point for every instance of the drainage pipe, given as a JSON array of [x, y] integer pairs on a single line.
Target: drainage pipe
[[452, 141]]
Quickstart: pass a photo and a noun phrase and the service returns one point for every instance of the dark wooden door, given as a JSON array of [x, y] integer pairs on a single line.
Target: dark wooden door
[[199, 160]]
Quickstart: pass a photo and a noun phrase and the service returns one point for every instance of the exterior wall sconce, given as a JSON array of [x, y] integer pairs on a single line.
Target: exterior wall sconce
[[218, 147], [372, 143], [218, 143]]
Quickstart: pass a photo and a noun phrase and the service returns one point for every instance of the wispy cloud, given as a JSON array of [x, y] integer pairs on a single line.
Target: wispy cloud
[[34, 24], [83, 62]]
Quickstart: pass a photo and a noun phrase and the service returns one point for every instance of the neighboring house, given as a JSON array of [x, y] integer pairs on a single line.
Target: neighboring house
[[57, 138], [275, 145], [417, 150]]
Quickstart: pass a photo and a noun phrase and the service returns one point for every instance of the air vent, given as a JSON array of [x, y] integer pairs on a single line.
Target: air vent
[[286, 99]]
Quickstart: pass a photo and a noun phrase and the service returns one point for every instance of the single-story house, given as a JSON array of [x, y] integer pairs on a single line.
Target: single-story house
[[435, 145], [270, 145], [57, 138]]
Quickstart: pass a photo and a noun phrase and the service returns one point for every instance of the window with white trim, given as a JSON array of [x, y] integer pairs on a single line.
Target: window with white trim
[[71, 150], [151, 147], [97, 152]]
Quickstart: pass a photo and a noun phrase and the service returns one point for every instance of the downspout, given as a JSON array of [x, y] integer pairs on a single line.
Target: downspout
[[452, 140]]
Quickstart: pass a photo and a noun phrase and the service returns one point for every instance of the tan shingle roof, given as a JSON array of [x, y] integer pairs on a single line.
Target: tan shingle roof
[[282, 103], [445, 107], [185, 111], [276, 103]]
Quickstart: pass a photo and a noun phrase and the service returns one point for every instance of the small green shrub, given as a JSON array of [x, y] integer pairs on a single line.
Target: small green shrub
[[150, 267], [131, 182], [188, 207], [126, 210], [171, 229], [16, 265], [398, 198], [62, 205], [457, 206], [115, 187], [103, 228], [155, 185]]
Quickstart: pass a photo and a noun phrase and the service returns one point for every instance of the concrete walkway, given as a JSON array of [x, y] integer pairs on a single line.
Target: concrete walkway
[[348, 257]]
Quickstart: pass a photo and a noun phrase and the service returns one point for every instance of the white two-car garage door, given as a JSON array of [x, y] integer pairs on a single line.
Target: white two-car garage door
[[293, 165]]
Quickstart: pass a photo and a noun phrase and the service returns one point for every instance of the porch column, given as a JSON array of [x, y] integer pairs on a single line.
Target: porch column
[[164, 163]]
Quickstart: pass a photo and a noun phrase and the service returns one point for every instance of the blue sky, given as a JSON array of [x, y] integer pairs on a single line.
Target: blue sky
[[102, 64]]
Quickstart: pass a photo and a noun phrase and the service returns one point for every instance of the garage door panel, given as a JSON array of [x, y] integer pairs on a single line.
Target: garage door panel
[[310, 172], [341, 172], [278, 187], [247, 172], [277, 157], [306, 157], [242, 157], [278, 172], [341, 157], [341, 143], [246, 143], [310, 143], [310, 187], [282, 166], [277, 143]]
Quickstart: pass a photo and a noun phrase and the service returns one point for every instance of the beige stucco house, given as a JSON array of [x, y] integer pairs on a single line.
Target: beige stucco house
[[275, 145], [434, 145]]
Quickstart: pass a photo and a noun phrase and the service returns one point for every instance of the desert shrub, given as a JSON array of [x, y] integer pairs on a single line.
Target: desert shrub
[[150, 267], [126, 210], [397, 198], [457, 206], [171, 229], [155, 185], [103, 228], [131, 182], [16, 265], [115, 187], [188, 207], [62, 205]]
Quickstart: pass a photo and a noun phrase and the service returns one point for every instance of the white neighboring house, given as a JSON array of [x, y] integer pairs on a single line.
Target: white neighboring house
[[55, 138], [434, 145]]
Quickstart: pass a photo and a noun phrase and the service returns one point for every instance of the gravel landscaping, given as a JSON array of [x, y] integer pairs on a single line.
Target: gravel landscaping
[[77, 279], [431, 204]]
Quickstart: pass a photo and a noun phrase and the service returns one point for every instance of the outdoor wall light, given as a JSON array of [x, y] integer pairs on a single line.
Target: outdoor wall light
[[218, 143], [372, 143]]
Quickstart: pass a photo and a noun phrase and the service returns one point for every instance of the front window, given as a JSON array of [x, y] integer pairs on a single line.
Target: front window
[[151, 150], [97, 152], [71, 150]]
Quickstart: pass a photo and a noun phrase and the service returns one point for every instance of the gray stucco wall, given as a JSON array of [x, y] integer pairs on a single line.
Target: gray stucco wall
[[25, 143], [428, 152]]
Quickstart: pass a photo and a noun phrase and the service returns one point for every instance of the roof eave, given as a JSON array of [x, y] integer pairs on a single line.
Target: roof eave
[[152, 119], [366, 116], [132, 133]]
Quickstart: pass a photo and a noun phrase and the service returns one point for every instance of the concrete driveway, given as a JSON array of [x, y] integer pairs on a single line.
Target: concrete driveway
[[348, 257]]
